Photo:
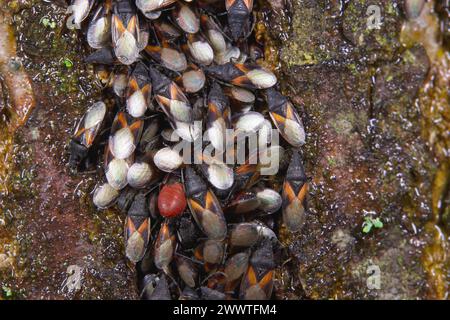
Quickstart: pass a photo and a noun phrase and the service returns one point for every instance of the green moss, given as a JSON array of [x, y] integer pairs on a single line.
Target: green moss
[[390, 9], [331, 161], [353, 68], [409, 58], [383, 41], [343, 123], [309, 44]]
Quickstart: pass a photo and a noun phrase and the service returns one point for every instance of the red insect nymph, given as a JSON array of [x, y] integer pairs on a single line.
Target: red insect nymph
[[172, 200]]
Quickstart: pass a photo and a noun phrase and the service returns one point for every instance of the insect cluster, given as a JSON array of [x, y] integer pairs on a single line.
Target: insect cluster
[[202, 230]]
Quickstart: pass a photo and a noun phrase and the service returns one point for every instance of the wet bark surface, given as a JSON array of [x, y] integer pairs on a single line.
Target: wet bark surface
[[375, 106], [49, 228], [367, 154]]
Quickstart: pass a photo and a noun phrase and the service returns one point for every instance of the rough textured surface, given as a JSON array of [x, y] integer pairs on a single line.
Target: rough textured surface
[[360, 93], [375, 106], [47, 221]]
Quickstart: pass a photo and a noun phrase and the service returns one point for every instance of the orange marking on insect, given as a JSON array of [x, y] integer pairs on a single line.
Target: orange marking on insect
[[79, 132], [290, 113], [192, 37], [130, 226], [212, 203], [288, 191], [204, 19], [179, 80], [242, 81], [213, 108], [143, 227], [251, 276], [136, 127], [196, 207], [266, 279], [133, 86], [184, 47], [122, 120], [226, 113], [164, 103], [253, 179], [173, 91], [303, 191], [280, 120], [166, 43], [152, 49], [241, 67], [176, 93], [131, 27], [108, 5], [118, 24], [229, 3], [164, 232], [89, 136], [249, 4], [246, 168], [146, 91], [198, 254]]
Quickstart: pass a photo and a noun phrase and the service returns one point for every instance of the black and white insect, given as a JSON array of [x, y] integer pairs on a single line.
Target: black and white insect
[[187, 73]]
